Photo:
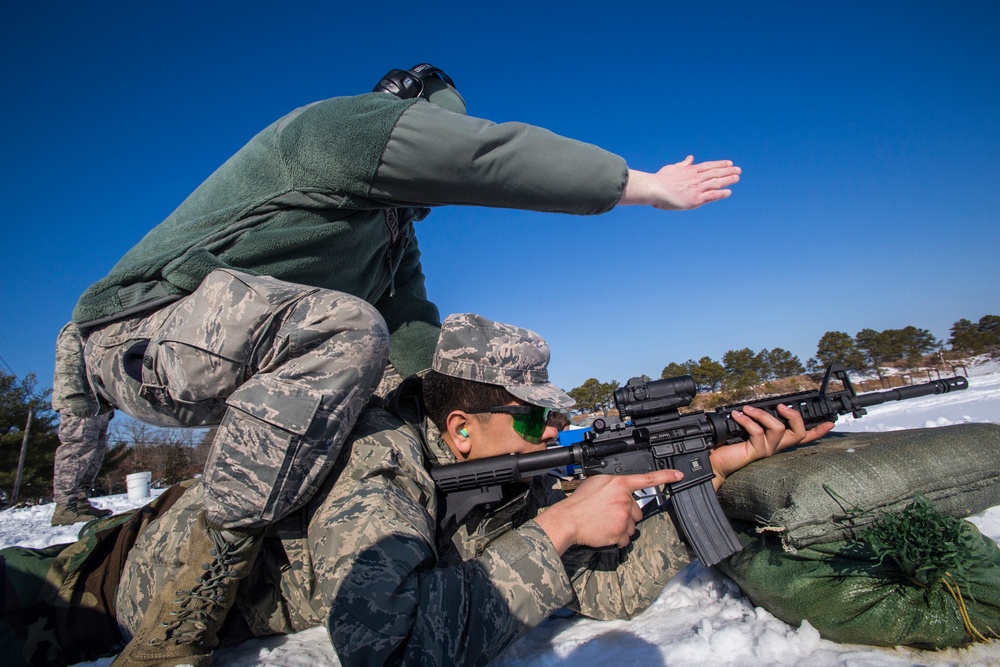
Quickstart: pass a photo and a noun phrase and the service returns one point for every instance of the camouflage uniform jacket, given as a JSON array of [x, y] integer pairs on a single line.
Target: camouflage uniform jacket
[[327, 195], [368, 555], [409, 590]]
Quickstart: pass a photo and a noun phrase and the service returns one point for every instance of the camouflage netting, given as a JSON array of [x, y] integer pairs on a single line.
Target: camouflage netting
[[862, 535], [834, 489], [917, 578]]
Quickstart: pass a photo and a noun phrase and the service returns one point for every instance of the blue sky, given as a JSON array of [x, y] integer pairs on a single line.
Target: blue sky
[[868, 134]]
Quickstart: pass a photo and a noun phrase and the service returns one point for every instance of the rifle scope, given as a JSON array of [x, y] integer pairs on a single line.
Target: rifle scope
[[640, 399]]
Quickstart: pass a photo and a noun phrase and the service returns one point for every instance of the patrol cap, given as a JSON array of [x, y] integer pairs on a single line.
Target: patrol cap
[[472, 347]]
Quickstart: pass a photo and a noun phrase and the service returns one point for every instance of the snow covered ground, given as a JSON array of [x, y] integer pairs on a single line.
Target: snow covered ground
[[700, 619]]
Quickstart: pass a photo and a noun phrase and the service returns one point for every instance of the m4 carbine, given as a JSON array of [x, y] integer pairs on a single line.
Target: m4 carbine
[[657, 436]]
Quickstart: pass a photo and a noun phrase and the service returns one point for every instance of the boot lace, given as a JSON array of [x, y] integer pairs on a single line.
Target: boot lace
[[198, 606]]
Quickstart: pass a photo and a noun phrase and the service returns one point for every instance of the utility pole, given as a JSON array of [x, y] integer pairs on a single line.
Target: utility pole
[[20, 461]]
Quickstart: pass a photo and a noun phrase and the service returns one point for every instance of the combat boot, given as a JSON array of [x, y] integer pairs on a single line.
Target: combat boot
[[181, 624], [66, 514]]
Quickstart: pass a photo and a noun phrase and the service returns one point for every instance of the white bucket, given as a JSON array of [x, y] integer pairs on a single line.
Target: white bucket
[[138, 485]]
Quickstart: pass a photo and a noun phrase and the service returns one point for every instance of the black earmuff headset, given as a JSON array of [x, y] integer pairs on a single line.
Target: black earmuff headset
[[409, 83]]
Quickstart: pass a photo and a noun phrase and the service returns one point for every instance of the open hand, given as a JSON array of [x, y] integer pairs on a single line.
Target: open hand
[[681, 186]]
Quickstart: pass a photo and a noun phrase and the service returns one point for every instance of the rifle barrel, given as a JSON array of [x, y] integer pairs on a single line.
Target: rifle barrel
[[913, 391]]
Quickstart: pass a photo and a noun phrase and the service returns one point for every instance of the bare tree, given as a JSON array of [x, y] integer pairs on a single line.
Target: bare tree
[[170, 454]]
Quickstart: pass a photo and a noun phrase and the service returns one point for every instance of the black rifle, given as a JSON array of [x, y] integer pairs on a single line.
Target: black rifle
[[658, 436]]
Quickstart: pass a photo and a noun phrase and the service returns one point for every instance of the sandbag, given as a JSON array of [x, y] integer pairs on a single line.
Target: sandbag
[[830, 490], [937, 590]]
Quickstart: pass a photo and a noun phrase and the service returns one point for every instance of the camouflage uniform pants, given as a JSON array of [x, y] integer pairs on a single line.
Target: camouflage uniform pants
[[284, 369], [286, 591], [82, 444]]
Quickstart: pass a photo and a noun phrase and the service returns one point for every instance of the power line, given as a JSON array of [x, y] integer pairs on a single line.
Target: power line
[[7, 365]]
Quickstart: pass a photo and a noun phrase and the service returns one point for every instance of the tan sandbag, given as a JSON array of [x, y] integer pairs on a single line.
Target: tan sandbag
[[828, 490]]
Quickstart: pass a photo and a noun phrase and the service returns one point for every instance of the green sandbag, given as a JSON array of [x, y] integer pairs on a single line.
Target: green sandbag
[[850, 593], [831, 490]]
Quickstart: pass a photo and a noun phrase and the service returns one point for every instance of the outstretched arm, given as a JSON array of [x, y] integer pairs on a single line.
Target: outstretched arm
[[682, 186]]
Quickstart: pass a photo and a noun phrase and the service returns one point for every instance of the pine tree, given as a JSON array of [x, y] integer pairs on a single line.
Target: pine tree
[[17, 399]]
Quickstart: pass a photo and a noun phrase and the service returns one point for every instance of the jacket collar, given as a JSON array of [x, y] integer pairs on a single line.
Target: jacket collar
[[406, 402]]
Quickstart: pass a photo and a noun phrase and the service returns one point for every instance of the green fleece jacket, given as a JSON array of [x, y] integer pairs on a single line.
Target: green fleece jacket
[[313, 199]]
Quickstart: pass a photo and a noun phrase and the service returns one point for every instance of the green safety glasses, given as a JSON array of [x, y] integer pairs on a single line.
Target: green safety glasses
[[529, 420]]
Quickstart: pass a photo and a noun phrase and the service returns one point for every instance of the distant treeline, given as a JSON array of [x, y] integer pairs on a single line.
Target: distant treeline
[[744, 373]]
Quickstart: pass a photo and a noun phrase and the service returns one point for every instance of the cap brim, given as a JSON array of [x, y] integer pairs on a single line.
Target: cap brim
[[545, 395]]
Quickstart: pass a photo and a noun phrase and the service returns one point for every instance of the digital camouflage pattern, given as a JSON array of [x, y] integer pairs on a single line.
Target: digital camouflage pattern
[[284, 369], [83, 432], [260, 600], [366, 553], [472, 347], [368, 556], [58, 603], [83, 442], [71, 391], [186, 613]]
